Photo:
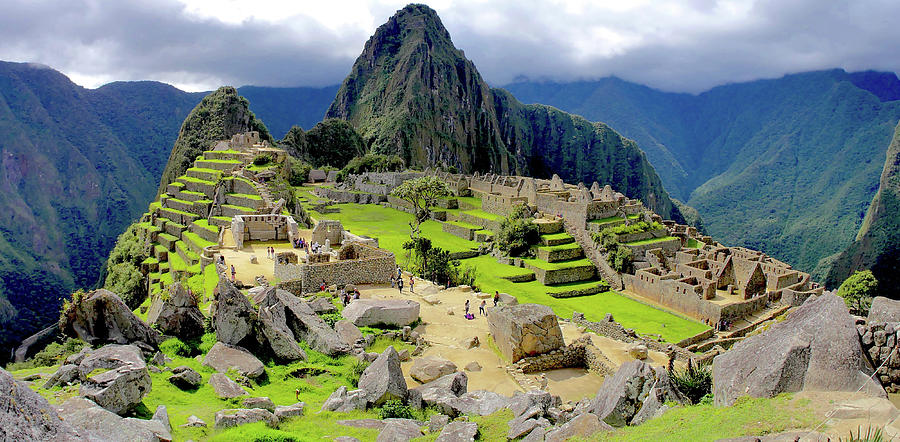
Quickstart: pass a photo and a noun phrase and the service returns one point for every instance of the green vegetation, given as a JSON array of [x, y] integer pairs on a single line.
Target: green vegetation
[[53, 354], [371, 162], [858, 291], [651, 240], [517, 233], [421, 193], [694, 382], [123, 269], [332, 142]]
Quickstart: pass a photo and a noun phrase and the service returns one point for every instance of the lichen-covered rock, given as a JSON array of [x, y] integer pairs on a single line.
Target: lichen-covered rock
[[234, 417], [225, 388], [428, 369], [884, 310], [222, 357], [383, 380], [233, 315], [393, 312], [525, 330], [479, 402], [815, 348], [399, 430], [458, 432], [636, 387], [194, 422], [175, 313], [582, 426], [101, 317], [279, 337], [26, 415], [283, 412], [440, 394], [102, 424], [306, 325], [66, 375], [343, 401], [122, 382], [348, 332], [322, 305], [259, 402], [185, 378]]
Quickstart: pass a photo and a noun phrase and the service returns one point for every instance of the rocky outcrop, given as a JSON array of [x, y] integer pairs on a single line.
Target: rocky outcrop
[[225, 388], [525, 330], [103, 424], [322, 305], [222, 357], [636, 390], [441, 394], [101, 317], [343, 401], [175, 313], [26, 415], [305, 324], [239, 416], [66, 375], [428, 369], [884, 310], [259, 402], [348, 332], [458, 432], [185, 378], [816, 348], [283, 412], [233, 316], [280, 339], [115, 377], [399, 430], [392, 312], [383, 380], [582, 426]]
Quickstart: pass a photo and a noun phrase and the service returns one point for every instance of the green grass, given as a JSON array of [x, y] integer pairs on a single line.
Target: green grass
[[486, 215], [650, 241], [382, 343], [473, 200], [245, 195], [181, 212], [464, 225], [558, 265], [748, 416], [241, 208], [206, 170], [694, 244], [553, 236], [168, 237], [612, 219], [571, 245], [191, 192], [196, 180], [204, 224], [221, 161], [197, 240]]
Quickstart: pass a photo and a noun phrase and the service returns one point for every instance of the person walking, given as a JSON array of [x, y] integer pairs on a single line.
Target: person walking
[[496, 297], [393, 281], [467, 307], [400, 285], [412, 283], [481, 308]]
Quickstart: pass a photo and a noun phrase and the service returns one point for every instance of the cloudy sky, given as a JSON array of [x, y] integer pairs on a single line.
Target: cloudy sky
[[676, 45]]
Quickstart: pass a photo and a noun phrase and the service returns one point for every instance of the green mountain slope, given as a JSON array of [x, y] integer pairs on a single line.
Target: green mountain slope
[[877, 245], [412, 93], [787, 166]]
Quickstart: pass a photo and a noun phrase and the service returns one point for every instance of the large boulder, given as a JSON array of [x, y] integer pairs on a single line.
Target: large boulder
[[458, 431], [101, 317], [440, 394], [636, 390], [383, 380], [26, 415], [525, 330], [224, 387], [884, 310], [343, 401], [115, 377], [815, 348], [175, 312], [66, 375], [582, 426], [479, 402], [223, 357], [322, 305], [306, 325], [233, 315], [348, 332], [228, 418], [392, 312], [399, 430], [185, 378], [103, 424], [279, 337], [428, 369]]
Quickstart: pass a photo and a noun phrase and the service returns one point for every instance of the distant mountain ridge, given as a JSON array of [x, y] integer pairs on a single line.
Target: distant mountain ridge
[[786, 165], [413, 93]]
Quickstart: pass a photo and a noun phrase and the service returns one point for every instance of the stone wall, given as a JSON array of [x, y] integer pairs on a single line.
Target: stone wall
[[263, 228], [880, 342], [349, 196], [372, 266], [579, 354], [560, 276]]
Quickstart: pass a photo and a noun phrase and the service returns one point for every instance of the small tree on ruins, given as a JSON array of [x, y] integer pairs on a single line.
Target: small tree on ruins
[[421, 193], [858, 290]]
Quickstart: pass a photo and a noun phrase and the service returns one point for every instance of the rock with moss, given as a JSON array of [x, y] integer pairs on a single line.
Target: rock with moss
[[175, 312], [115, 377], [25, 415], [383, 380], [224, 387], [234, 317], [235, 417], [101, 317], [223, 357]]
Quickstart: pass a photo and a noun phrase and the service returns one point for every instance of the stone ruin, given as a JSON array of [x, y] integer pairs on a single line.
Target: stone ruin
[[525, 330], [355, 263], [270, 227], [328, 232]]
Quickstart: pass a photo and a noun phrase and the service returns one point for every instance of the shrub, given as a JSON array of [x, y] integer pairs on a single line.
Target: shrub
[[206, 342], [298, 172], [331, 318], [517, 233], [54, 353], [262, 160], [175, 347], [621, 259], [871, 435], [356, 372], [395, 409], [858, 290], [694, 382], [371, 162]]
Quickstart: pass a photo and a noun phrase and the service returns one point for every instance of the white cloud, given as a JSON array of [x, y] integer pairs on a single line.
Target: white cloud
[[686, 45]]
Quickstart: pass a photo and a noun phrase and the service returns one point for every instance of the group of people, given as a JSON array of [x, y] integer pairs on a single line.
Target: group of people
[[299, 243], [397, 281], [270, 253], [481, 308], [346, 296]]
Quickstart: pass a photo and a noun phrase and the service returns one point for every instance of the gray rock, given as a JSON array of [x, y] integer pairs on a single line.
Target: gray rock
[[524, 330], [519, 428], [222, 357], [279, 337], [473, 366], [437, 421], [346, 439], [622, 396], [26, 415], [233, 316], [520, 403], [283, 412], [428, 369], [458, 432], [369, 424], [185, 378], [161, 415], [884, 310], [383, 380], [479, 402], [102, 318], [233, 417], [815, 348], [76, 358], [225, 388], [176, 313], [348, 332], [441, 393], [106, 425], [536, 435], [259, 402], [583, 426], [306, 325], [194, 422], [394, 312], [322, 305], [399, 430], [507, 299], [66, 375], [343, 401], [122, 385]]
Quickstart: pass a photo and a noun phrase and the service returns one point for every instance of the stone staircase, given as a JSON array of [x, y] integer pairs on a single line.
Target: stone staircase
[[583, 238]]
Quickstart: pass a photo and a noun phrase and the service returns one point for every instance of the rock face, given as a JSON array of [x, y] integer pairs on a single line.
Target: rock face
[[185, 378], [383, 380], [176, 314], [348, 332], [343, 401], [636, 390], [322, 305], [280, 339], [67, 374], [583, 426], [224, 387], [233, 317], [305, 324], [101, 317], [102, 424], [234, 417], [26, 415], [884, 310], [399, 430], [393, 312], [525, 330], [283, 412], [458, 432], [428, 369], [442, 394], [816, 348], [122, 385], [223, 357]]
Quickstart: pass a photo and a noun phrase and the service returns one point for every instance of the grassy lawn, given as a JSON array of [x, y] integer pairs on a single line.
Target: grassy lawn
[[553, 236], [571, 245], [541, 264], [611, 219], [471, 200], [694, 244], [464, 225], [650, 241], [485, 215]]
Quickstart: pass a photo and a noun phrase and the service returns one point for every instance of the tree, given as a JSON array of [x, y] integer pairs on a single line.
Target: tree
[[421, 193], [858, 290], [517, 233], [621, 259]]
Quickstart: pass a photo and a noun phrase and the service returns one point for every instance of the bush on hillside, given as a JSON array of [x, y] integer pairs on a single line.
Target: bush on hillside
[[123, 274], [395, 409], [621, 259], [858, 290], [694, 382], [372, 162], [54, 353], [517, 233]]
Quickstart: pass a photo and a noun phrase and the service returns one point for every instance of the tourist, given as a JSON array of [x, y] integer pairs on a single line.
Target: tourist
[[399, 272], [412, 283], [481, 308], [355, 293], [322, 287], [393, 281], [233, 272], [496, 297], [467, 307], [544, 381], [400, 284]]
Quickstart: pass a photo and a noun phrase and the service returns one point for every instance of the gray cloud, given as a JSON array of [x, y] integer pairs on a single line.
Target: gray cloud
[[680, 46]]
